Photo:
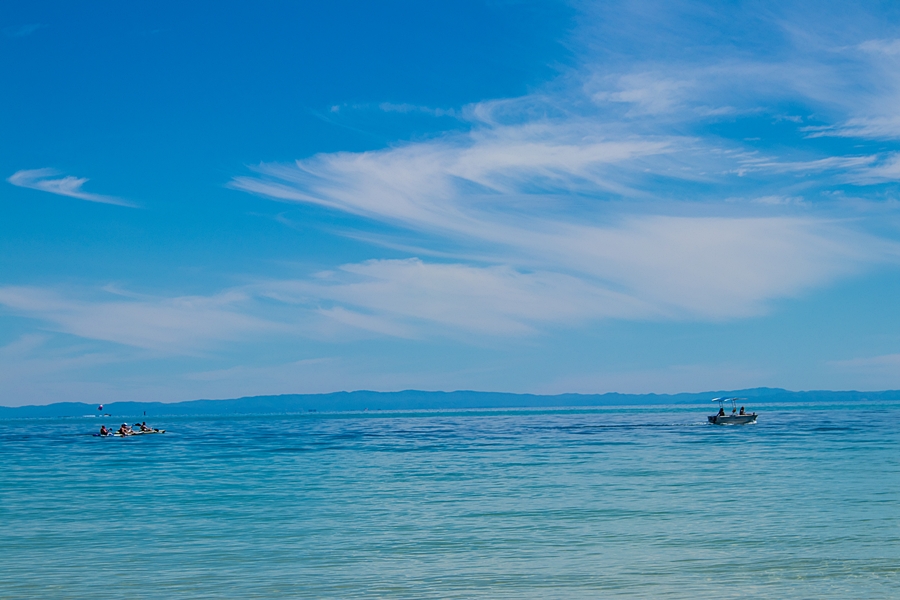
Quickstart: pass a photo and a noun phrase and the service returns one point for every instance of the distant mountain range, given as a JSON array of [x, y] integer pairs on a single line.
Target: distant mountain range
[[417, 400]]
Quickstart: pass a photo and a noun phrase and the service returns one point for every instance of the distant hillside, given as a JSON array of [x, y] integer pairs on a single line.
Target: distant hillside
[[416, 400]]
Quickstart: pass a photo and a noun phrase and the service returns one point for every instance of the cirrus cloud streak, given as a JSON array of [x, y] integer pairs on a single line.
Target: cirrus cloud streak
[[50, 180]]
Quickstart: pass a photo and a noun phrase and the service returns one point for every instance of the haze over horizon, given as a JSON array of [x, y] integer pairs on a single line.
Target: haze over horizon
[[218, 200]]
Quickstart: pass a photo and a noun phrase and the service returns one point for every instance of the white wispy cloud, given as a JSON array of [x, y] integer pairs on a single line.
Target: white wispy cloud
[[886, 47], [408, 298], [886, 169], [884, 361], [36, 369], [405, 108], [51, 180], [419, 183], [604, 195], [30, 356], [880, 372], [647, 93], [180, 325], [507, 192], [867, 91], [645, 267], [849, 165]]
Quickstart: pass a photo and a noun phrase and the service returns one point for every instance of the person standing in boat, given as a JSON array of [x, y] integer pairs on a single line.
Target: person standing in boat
[[742, 410]]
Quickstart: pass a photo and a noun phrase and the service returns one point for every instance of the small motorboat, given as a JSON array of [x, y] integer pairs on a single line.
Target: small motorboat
[[735, 418]]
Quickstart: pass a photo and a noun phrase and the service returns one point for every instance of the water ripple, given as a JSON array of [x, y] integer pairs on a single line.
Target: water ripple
[[577, 503]]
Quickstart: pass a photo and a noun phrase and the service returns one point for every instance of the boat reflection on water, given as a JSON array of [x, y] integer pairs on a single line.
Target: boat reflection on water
[[735, 418]]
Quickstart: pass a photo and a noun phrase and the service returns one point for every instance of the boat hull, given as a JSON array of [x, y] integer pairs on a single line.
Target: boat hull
[[732, 419]]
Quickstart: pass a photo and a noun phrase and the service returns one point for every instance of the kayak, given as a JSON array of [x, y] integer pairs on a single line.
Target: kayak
[[140, 433], [130, 434]]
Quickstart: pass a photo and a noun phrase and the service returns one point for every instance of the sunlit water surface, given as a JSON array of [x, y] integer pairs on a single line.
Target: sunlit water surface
[[580, 503]]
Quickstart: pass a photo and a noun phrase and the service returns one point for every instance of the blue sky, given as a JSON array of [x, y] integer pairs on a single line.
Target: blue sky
[[215, 199]]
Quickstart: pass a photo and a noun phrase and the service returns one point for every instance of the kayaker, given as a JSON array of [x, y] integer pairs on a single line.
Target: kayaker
[[103, 430], [125, 429], [144, 427]]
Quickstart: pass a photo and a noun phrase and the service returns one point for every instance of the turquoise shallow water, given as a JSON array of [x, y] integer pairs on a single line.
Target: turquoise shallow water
[[580, 503]]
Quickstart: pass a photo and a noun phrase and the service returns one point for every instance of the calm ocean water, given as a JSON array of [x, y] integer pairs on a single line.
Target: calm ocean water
[[579, 503]]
